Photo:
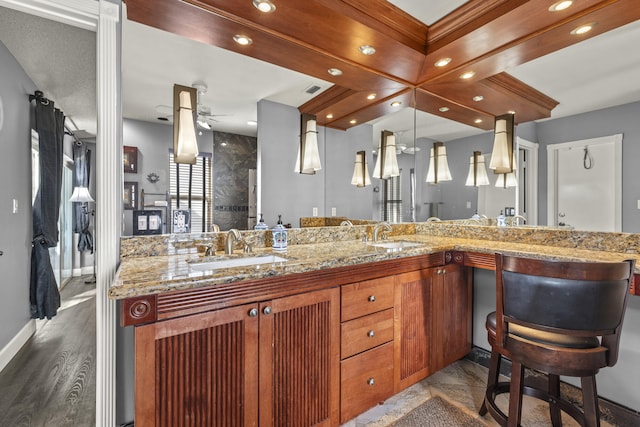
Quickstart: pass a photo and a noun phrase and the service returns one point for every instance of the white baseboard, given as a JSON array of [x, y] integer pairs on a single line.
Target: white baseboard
[[83, 271], [16, 343]]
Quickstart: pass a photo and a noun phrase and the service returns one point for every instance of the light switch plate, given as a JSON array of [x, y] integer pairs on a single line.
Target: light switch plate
[[315, 211], [333, 211]]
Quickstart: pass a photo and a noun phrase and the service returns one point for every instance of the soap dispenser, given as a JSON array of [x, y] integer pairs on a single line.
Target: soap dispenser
[[501, 220], [476, 216], [261, 225], [279, 236]]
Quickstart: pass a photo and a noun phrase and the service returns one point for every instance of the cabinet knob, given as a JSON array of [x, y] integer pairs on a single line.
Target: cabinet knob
[[438, 272], [371, 382], [372, 298], [266, 310], [371, 334], [253, 312]]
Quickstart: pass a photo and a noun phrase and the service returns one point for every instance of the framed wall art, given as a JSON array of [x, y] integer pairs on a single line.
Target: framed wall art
[[130, 195], [130, 159]]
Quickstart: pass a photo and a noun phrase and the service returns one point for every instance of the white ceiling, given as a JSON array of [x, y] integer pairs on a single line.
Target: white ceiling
[[594, 74]]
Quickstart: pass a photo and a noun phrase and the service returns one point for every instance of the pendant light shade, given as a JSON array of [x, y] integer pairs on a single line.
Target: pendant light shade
[[308, 159], [387, 161], [502, 152], [477, 172], [185, 144], [438, 165], [361, 170], [81, 195], [508, 180]]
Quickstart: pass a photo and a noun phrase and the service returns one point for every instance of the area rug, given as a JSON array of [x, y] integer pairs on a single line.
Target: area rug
[[437, 412]]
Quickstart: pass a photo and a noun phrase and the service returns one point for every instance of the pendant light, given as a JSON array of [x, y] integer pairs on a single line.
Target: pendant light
[[502, 153], [361, 170], [185, 144], [477, 172], [438, 166], [308, 159], [387, 161]]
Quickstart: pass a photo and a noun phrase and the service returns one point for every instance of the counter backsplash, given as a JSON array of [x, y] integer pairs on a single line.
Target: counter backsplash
[[170, 244]]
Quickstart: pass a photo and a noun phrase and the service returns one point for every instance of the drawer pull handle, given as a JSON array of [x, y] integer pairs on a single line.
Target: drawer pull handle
[[253, 312], [371, 382], [266, 310], [372, 298], [371, 334]]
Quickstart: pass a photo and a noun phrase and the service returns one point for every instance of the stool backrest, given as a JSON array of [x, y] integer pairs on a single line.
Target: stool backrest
[[585, 299]]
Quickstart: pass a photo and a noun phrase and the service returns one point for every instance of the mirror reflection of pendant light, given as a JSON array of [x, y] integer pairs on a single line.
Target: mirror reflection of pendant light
[[308, 159], [361, 170], [502, 153], [477, 171], [438, 165], [508, 180], [185, 144], [387, 160]]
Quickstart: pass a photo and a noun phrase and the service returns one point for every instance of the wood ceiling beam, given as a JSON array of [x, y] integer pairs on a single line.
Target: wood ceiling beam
[[490, 36]]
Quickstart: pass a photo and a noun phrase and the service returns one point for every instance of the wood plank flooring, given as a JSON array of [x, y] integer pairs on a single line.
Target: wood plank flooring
[[51, 381]]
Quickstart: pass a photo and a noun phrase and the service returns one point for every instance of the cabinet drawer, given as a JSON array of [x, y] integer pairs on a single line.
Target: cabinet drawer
[[367, 379], [366, 332], [362, 298]]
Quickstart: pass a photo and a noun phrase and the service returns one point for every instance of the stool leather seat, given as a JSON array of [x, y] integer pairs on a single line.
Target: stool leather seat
[[559, 318]]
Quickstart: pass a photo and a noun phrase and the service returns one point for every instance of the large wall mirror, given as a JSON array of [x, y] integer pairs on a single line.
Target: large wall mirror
[[252, 172]]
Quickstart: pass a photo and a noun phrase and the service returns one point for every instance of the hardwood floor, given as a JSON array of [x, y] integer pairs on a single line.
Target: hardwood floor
[[51, 382]]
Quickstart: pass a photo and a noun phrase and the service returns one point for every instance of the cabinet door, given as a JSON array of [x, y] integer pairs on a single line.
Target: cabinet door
[[199, 370], [451, 308], [412, 327], [300, 360]]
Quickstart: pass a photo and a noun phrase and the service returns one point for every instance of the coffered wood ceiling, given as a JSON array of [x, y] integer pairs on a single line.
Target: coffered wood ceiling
[[488, 37]]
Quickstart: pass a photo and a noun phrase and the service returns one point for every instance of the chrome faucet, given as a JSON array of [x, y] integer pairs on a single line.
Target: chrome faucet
[[210, 250], [376, 229], [433, 219], [346, 223], [232, 236], [514, 220]]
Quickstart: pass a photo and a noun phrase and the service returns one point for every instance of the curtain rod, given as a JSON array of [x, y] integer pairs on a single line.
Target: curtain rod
[[39, 97]]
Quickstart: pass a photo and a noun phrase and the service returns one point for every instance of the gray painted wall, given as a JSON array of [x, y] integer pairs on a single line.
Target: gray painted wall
[[278, 139], [15, 176]]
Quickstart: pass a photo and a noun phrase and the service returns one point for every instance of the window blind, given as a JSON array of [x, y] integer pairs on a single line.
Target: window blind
[[201, 195]]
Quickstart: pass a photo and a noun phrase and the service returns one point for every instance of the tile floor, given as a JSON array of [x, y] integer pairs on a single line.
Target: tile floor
[[463, 384]]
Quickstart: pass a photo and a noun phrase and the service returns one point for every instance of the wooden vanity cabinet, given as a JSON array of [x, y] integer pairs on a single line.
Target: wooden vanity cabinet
[[433, 321], [271, 363], [367, 332]]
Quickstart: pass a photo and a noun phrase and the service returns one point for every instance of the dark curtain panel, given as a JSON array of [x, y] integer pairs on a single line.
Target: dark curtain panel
[[44, 295], [81, 174]]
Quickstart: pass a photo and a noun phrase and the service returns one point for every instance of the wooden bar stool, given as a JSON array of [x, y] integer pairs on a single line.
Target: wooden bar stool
[[559, 318]]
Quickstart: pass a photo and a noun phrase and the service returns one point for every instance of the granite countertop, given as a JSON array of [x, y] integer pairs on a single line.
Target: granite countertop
[[143, 275]]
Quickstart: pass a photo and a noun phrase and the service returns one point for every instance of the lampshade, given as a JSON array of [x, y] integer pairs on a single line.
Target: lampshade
[[185, 144], [81, 195], [507, 180], [308, 159], [387, 161], [361, 170], [502, 152], [438, 165], [477, 172]]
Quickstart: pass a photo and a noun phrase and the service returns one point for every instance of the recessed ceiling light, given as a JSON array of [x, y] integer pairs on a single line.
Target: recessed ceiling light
[[371, 96], [396, 103], [561, 5], [353, 122], [252, 123], [242, 40], [468, 75], [335, 71], [443, 109], [582, 29], [224, 144], [511, 112], [442, 62], [329, 116], [477, 121], [367, 50], [264, 6], [478, 98]]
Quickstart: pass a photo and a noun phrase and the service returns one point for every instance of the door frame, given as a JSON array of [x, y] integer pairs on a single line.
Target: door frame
[[552, 175], [531, 190]]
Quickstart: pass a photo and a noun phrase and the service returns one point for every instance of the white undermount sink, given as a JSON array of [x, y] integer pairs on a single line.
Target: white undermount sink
[[236, 262], [395, 245]]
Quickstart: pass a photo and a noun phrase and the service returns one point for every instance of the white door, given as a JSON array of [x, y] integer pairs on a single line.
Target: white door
[[585, 184]]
